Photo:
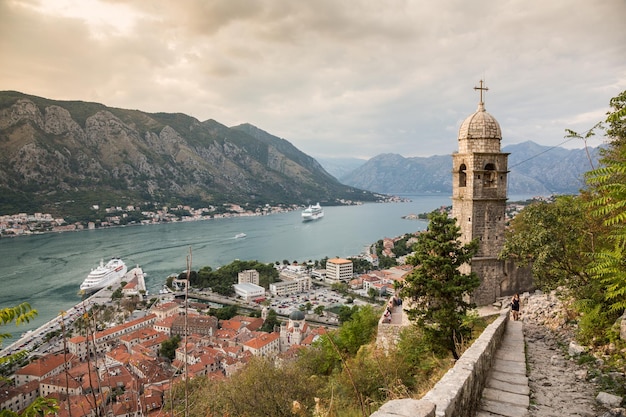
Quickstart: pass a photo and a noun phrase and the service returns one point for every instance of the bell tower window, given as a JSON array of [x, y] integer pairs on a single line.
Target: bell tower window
[[489, 178], [462, 175]]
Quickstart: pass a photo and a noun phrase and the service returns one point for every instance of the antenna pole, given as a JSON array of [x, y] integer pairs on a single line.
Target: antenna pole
[[187, 331]]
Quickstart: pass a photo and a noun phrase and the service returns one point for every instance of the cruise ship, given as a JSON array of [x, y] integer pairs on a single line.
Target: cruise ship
[[104, 275], [312, 213]]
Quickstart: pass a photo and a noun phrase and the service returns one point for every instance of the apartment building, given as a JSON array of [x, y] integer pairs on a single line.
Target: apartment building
[[338, 270]]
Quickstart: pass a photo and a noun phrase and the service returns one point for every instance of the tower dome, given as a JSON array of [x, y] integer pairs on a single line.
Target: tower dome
[[296, 315], [480, 125]]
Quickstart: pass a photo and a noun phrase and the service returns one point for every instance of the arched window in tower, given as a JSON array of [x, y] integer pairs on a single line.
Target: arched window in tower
[[489, 178], [462, 175]]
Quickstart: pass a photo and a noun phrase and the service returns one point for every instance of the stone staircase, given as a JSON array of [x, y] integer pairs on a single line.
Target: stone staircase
[[488, 380], [506, 391]]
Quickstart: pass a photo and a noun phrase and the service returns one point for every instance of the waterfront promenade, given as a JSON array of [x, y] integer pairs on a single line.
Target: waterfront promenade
[[34, 340]]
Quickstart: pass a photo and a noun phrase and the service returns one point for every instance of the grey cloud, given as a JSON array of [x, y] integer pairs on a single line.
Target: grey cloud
[[333, 76]]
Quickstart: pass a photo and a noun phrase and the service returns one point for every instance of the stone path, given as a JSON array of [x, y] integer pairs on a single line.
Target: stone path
[[541, 382], [557, 384], [506, 392]]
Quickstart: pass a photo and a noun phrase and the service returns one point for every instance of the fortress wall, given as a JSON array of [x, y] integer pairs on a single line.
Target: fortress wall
[[458, 392]]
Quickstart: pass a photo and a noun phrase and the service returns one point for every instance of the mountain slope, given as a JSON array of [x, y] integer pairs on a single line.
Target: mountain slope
[[56, 156], [534, 169], [340, 167]]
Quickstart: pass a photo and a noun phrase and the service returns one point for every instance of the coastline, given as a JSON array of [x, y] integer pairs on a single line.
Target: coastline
[[38, 223]]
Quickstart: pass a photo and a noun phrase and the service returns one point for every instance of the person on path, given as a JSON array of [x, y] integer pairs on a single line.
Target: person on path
[[515, 306]]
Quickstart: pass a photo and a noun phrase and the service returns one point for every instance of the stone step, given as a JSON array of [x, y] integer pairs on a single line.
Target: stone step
[[506, 392]]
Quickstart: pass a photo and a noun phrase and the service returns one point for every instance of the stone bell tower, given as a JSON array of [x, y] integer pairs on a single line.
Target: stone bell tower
[[479, 194]]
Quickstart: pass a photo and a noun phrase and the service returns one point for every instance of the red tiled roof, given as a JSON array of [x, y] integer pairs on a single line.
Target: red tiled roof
[[43, 365], [262, 340]]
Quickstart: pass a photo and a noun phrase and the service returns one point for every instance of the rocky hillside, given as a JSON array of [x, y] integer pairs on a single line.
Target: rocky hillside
[[534, 169], [59, 156]]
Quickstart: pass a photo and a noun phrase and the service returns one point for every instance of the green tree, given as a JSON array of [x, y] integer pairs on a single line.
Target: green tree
[[551, 237], [259, 389], [18, 315], [271, 321], [23, 313], [41, 406], [168, 347], [436, 287], [607, 186], [345, 313], [372, 293], [359, 329], [328, 352], [319, 310], [360, 265], [386, 262], [340, 287], [224, 313]]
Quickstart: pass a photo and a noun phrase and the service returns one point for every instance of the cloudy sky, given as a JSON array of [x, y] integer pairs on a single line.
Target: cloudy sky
[[336, 78]]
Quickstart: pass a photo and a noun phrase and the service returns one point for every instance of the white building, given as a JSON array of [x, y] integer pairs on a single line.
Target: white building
[[290, 285], [319, 274], [339, 270], [249, 291]]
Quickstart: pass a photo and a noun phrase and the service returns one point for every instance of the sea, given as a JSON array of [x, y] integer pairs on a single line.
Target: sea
[[46, 270]]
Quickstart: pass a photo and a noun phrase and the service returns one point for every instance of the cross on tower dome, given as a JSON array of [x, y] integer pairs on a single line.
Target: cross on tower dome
[[480, 124], [481, 88]]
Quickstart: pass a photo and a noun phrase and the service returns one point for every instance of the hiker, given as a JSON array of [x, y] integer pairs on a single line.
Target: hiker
[[515, 306]]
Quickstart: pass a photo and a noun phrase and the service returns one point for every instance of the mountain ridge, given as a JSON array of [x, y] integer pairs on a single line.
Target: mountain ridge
[[534, 169], [64, 156]]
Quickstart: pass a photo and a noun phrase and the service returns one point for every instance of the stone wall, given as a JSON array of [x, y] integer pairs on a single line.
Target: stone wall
[[517, 279], [389, 330], [459, 391]]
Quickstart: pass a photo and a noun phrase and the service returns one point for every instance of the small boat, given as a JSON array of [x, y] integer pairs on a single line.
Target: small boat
[[240, 235], [165, 290]]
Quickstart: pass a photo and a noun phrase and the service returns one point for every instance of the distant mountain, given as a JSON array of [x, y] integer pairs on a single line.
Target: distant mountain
[[64, 156], [534, 169], [340, 167]]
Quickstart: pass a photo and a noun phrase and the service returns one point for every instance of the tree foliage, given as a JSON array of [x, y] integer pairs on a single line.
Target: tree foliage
[[271, 321], [259, 389], [41, 406], [436, 288], [579, 243], [20, 314], [222, 280], [360, 265], [168, 347], [555, 238], [607, 187], [224, 313]]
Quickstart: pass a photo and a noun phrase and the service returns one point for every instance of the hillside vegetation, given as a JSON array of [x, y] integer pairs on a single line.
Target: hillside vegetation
[[577, 245], [61, 157]]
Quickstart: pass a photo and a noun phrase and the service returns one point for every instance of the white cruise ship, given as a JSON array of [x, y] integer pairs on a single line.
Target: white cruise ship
[[104, 275], [312, 213]]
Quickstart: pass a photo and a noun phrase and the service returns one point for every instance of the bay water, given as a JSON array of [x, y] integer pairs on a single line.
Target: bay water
[[46, 270]]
